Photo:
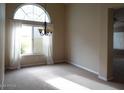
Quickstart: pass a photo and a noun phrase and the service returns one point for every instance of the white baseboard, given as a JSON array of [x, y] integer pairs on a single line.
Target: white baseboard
[[94, 72], [103, 78], [82, 67]]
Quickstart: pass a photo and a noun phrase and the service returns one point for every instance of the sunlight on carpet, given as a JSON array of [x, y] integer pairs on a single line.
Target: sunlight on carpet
[[66, 81], [64, 84]]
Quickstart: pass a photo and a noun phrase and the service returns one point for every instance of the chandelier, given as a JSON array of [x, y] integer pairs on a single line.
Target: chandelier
[[45, 30]]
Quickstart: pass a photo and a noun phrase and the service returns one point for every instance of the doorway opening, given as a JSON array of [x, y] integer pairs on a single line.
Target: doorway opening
[[118, 45]]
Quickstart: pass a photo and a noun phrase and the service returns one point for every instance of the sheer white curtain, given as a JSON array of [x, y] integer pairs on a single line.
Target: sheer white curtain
[[15, 52], [15, 41], [48, 48]]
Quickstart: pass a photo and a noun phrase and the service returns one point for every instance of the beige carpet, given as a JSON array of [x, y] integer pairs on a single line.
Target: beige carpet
[[58, 76]]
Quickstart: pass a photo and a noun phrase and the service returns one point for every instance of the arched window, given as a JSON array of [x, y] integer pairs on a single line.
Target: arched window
[[31, 17], [32, 13], [31, 30]]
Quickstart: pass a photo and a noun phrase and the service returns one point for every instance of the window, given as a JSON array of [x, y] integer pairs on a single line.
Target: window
[[32, 13], [31, 40], [26, 40], [118, 39]]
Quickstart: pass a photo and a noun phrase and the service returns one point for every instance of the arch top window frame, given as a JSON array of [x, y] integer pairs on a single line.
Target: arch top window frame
[[43, 14]]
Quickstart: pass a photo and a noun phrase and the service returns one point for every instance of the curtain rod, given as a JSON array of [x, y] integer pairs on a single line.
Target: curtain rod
[[28, 22], [34, 23]]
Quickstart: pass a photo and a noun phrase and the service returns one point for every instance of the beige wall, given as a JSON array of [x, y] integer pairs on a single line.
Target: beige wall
[[56, 12], [2, 40], [28, 60], [89, 35], [83, 35]]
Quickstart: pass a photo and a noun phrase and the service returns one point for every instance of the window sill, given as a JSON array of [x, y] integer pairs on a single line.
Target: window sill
[[31, 54]]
